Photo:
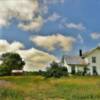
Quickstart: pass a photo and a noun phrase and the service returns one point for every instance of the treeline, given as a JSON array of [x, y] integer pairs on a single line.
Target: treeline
[[55, 70], [13, 61]]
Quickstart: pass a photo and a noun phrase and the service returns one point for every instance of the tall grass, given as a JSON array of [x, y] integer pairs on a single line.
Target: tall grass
[[9, 94], [39, 88]]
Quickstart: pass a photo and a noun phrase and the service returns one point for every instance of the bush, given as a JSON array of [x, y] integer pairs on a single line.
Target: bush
[[5, 70], [56, 71], [79, 73], [85, 72]]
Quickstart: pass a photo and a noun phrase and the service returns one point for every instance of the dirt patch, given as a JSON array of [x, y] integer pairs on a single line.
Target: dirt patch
[[4, 83]]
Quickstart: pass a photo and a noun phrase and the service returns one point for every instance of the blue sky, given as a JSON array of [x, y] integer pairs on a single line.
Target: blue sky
[[78, 20]]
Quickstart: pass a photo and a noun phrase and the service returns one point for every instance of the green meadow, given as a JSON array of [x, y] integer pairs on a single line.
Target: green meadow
[[40, 88]]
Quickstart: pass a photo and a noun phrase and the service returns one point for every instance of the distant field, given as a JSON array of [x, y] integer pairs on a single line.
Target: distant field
[[39, 88]]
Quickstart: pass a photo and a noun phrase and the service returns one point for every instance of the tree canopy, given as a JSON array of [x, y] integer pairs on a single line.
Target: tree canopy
[[10, 61]]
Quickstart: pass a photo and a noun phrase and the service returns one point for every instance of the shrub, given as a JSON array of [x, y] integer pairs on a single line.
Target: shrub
[[4, 70], [56, 71], [80, 73], [85, 72]]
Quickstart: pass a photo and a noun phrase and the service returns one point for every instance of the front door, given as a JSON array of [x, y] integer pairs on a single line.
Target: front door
[[73, 71]]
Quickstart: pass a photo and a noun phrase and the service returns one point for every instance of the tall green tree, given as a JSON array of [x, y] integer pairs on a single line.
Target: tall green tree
[[12, 60]]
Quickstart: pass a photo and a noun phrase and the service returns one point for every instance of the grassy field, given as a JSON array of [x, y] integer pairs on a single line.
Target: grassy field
[[39, 88]]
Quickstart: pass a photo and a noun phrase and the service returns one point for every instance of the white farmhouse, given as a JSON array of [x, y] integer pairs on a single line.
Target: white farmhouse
[[74, 64], [89, 60]]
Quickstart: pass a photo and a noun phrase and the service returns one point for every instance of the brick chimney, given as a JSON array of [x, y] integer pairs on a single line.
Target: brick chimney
[[80, 53]]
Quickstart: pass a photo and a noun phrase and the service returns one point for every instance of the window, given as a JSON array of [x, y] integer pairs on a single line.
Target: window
[[93, 59], [94, 69]]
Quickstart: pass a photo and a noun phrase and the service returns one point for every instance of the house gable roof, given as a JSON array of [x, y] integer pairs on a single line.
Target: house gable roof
[[75, 60], [91, 51]]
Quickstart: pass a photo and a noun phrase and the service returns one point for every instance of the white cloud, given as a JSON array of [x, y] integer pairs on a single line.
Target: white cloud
[[80, 38], [95, 36], [36, 24], [53, 17], [53, 42], [44, 9], [35, 59], [46, 3], [15, 46], [7, 47], [24, 10], [53, 1], [78, 26]]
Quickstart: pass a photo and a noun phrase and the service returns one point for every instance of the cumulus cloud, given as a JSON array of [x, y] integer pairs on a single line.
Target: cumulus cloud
[[78, 26], [5, 46], [36, 24], [95, 36], [24, 10], [35, 59], [53, 42]]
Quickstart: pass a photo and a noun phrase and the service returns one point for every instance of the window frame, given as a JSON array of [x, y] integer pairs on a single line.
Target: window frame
[[93, 59]]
